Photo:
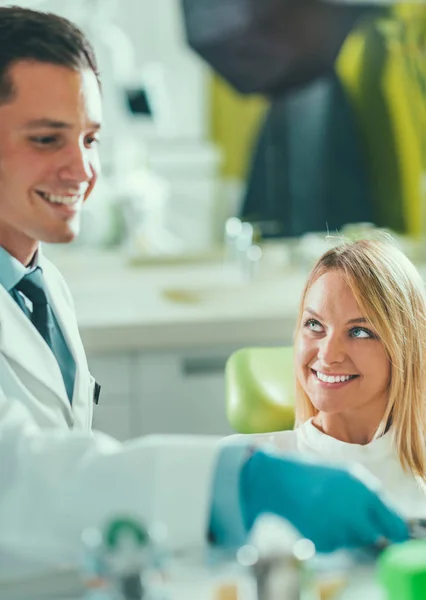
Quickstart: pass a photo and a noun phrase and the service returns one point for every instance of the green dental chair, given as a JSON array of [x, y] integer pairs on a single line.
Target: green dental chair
[[260, 389]]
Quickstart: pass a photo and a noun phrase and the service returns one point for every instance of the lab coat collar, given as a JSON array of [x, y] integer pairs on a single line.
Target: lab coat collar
[[21, 343], [61, 302]]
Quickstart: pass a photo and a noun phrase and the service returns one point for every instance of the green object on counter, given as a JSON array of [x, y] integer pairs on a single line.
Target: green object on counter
[[125, 527], [402, 571]]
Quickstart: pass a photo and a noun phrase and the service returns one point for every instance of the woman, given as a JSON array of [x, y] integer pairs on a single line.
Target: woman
[[360, 355]]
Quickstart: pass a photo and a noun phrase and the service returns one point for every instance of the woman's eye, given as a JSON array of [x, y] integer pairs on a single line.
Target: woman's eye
[[313, 325], [361, 332]]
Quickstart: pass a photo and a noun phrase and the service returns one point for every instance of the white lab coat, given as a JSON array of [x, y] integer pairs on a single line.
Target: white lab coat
[[56, 476]]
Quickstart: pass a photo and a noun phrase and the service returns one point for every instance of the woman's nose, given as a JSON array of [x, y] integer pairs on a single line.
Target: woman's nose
[[331, 350]]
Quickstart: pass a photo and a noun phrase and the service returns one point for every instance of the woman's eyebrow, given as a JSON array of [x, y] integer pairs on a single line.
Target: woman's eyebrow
[[356, 320], [350, 322], [313, 313]]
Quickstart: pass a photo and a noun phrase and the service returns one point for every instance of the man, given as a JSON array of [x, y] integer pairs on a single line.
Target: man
[[56, 476]]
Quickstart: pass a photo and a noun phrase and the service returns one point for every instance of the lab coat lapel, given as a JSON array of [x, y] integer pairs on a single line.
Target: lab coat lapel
[[21, 343], [64, 311]]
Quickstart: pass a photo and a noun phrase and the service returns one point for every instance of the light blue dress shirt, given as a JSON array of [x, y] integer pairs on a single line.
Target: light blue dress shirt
[[12, 271]]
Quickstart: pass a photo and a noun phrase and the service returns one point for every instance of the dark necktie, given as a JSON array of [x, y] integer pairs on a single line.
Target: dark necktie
[[44, 320]]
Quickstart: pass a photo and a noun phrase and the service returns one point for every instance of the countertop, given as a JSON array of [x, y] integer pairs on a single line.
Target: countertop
[[156, 306]]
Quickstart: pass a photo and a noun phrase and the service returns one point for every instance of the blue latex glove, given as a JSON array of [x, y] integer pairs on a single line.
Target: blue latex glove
[[328, 505]]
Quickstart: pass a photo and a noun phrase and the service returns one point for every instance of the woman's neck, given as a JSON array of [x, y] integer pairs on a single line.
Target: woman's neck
[[348, 428]]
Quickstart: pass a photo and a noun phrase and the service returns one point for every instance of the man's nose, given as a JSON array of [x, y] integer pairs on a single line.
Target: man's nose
[[331, 349], [77, 164]]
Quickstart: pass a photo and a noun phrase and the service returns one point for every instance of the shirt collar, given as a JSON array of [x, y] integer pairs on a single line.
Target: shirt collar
[[12, 271]]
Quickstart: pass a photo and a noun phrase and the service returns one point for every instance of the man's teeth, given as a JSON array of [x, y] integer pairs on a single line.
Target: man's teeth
[[60, 199], [333, 379]]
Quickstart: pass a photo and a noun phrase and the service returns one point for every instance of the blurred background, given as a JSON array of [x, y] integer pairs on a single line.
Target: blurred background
[[241, 138], [294, 116]]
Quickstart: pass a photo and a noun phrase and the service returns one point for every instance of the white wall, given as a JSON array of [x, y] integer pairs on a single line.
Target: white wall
[[156, 31]]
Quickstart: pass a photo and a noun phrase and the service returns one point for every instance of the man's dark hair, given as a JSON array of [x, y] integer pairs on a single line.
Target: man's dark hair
[[45, 37]]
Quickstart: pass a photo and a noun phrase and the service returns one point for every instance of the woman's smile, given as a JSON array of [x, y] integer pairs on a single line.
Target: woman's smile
[[333, 380]]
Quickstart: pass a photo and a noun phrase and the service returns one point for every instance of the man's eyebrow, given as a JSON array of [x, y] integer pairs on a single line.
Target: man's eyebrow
[[350, 322], [53, 124]]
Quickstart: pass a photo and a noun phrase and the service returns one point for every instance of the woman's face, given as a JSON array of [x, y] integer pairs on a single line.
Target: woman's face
[[340, 362]]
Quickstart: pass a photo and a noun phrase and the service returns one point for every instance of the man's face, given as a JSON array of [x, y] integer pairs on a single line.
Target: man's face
[[48, 155]]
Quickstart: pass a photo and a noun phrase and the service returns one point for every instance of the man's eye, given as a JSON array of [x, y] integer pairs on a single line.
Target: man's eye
[[313, 325], [92, 140], [44, 140]]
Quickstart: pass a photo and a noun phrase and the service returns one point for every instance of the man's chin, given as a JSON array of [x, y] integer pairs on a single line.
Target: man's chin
[[66, 236]]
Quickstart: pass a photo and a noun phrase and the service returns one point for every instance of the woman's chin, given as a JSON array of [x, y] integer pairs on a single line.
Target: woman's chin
[[328, 407]]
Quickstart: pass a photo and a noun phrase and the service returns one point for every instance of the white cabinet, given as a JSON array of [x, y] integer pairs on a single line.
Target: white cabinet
[[182, 392], [113, 414], [174, 392]]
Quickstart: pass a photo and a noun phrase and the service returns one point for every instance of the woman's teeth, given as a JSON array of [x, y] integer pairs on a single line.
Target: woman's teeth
[[55, 199], [333, 378]]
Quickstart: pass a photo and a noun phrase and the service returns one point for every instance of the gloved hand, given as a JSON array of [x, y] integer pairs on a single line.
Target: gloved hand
[[328, 505]]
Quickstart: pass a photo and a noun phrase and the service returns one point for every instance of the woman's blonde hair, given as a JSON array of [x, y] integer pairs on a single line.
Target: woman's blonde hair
[[391, 295]]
